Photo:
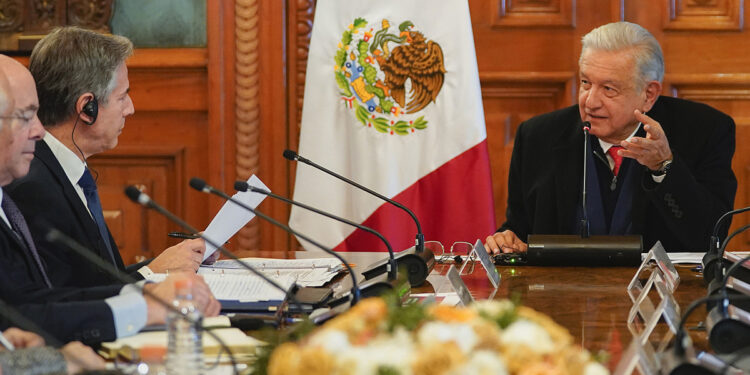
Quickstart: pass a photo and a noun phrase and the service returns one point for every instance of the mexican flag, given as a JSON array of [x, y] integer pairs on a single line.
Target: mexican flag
[[392, 101]]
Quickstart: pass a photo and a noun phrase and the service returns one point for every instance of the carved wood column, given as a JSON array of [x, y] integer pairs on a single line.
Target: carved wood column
[[247, 104]]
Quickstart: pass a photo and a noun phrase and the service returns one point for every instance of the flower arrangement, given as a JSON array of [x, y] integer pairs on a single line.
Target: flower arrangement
[[380, 337]]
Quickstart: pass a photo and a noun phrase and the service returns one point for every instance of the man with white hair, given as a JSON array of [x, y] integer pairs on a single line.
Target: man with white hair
[[657, 166]]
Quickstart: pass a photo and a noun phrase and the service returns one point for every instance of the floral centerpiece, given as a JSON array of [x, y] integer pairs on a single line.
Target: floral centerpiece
[[380, 337]]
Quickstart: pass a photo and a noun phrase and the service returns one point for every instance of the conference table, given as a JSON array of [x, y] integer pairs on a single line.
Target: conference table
[[592, 303]]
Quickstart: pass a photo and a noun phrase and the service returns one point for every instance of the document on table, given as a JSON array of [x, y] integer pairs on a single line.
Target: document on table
[[242, 288], [231, 217], [306, 272]]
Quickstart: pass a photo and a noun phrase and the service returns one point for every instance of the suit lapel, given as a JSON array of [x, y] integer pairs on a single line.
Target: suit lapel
[[19, 244], [45, 155]]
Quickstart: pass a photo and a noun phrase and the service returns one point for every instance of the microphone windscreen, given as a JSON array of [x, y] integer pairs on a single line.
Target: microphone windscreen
[[133, 193], [290, 155], [197, 184], [240, 186]]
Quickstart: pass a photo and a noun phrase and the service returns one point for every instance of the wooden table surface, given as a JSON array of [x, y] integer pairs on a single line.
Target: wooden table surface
[[592, 303]]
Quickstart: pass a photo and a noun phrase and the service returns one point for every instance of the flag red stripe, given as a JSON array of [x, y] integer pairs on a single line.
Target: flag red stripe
[[453, 203]]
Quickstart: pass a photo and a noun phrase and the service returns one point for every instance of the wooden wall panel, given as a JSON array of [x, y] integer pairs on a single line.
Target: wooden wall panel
[[242, 96], [527, 52]]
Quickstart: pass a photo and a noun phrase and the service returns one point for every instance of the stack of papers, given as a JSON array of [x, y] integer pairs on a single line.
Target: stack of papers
[[242, 288], [305, 272]]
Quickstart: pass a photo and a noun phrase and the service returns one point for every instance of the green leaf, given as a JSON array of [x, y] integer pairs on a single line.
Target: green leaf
[[387, 370], [377, 91], [381, 124], [346, 38], [386, 105], [359, 22], [343, 84], [362, 47], [401, 127], [340, 57], [420, 123], [362, 113], [370, 74], [408, 315]]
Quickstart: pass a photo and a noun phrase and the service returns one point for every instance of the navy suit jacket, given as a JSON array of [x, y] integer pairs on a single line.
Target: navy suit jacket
[[544, 182], [47, 192], [65, 313]]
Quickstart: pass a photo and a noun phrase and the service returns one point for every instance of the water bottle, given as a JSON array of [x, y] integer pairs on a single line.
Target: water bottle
[[152, 361], [185, 345]]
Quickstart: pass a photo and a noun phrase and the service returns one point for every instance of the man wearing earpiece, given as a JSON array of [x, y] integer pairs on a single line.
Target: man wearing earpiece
[[83, 88]]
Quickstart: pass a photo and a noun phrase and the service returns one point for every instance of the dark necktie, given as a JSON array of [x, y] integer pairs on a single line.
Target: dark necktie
[[18, 224], [617, 158], [95, 207]]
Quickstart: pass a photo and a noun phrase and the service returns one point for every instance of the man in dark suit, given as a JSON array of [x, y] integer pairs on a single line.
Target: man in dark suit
[[658, 166], [93, 314], [82, 82]]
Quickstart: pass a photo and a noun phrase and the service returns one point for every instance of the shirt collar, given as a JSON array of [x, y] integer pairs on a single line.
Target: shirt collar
[[606, 145], [70, 162]]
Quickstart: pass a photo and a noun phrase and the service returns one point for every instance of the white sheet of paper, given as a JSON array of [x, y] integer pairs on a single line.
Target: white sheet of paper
[[244, 288], [231, 217]]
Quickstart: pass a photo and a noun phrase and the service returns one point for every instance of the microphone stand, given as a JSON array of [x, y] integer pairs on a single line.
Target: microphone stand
[[143, 199], [392, 267], [583, 249], [54, 235], [419, 262], [200, 185], [713, 255]]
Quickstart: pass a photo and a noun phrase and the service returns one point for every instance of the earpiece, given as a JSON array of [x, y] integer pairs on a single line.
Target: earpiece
[[90, 109]]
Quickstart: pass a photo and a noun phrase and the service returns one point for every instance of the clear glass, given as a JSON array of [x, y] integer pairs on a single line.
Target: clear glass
[[185, 343]]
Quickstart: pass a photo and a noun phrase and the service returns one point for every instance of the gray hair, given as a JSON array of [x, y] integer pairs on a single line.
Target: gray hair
[[70, 62], [6, 100], [619, 36]]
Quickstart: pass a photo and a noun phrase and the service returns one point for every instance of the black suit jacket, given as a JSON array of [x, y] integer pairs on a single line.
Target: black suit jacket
[[47, 192], [65, 313], [544, 182]]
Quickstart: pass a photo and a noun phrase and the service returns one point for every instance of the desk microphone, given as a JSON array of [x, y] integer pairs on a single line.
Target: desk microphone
[[585, 215], [681, 360], [584, 250], [392, 269], [419, 262], [55, 236], [200, 185], [143, 199], [16, 319], [712, 259], [728, 325]]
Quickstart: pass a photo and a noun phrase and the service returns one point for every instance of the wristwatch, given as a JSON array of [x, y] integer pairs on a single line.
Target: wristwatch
[[663, 168]]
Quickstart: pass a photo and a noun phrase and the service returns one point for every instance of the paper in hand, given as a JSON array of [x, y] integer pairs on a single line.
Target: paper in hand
[[231, 217]]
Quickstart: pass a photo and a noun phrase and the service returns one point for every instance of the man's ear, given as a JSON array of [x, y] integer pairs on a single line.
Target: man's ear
[[85, 115], [652, 91]]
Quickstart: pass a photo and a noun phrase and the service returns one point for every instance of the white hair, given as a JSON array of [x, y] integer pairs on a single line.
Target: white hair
[[619, 36]]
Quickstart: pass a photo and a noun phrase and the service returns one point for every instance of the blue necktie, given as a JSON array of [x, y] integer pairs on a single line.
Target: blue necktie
[[95, 207], [18, 224]]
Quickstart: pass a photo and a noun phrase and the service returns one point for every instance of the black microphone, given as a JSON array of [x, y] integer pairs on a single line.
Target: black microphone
[[712, 259], [582, 249], [728, 325], [55, 236], [424, 261], [14, 318], [392, 266], [143, 199], [200, 185], [585, 216], [682, 359]]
